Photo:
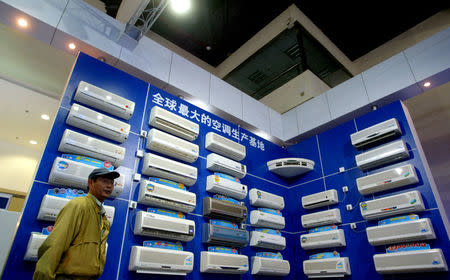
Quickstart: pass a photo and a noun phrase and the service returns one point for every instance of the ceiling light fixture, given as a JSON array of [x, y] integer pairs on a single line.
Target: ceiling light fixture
[[22, 22], [427, 84], [180, 6], [33, 142], [45, 117], [72, 46]]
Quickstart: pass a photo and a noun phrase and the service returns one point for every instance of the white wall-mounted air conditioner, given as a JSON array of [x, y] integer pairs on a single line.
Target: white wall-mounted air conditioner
[[104, 100], [327, 217], [173, 123], [316, 200], [231, 188], [268, 266], [414, 230], [160, 261], [259, 218], [52, 205], [35, 241], [327, 268], [97, 123], [162, 226], [66, 172], [159, 195], [76, 143], [223, 235], [213, 262], [290, 167], [222, 209], [172, 146], [430, 260], [376, 133], [388, 153], [224, 146], [162, 167], [259, 198], [387, 180], [324, 239], [408, 202], [265, 240], [215, 162]]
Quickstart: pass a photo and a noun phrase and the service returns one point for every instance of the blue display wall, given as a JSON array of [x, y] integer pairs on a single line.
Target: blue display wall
[[329, 150]]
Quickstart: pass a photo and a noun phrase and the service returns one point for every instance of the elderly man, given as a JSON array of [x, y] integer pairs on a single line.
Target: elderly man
[[76, 248]]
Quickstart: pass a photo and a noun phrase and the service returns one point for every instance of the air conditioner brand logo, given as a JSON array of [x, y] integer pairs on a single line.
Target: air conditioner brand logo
[[62, 165]]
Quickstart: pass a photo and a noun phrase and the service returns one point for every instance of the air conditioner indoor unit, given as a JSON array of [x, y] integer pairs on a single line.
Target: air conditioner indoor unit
[[386, 180], [232, 188], [259, 198], [268, 241], [222, 209], [160, 261], [222, 235], [35, 241], [414, 230], [162, 167], [213, 262], [173, 124], [66, 172], [316, 200], [52, 205], [323, 239], [97, 123], [172, 146], [386, 154], [327, 268], [104, 100], [218, 163], [159, 195], [259, 218], [327, 217], [269, 266], [224, 146], [290, 167], [429, 260], [76, 143], [376, 133], [162, 226], [408, 202]]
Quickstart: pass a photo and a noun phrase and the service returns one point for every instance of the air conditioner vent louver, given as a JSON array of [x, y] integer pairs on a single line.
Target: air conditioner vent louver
[[410, 262], [321, 218], [290, 167], [218, 163], [259, 218], [221, 209], [222, 235], [327, 268], [172, 146], [173, 124], [259, 198], [265, 240], [316, 200], [386, 154], [157, 166], [268, 266], [224, 146], [212, 262], [376, 133], [325, 239]]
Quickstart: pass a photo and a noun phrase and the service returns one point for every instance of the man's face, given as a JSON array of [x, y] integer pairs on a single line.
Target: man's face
[[101, 187]]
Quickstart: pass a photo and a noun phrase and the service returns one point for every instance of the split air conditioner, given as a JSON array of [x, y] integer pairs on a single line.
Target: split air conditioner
[[387, 180], [376, 133], [265, 240], [409, 202], [162, 167], [215, 162], [268, 266], [160, 261], [35, 241], [162, 226], [97, 123], [159, 195], [52, 205], [173, 124], [224, 146], [231, 188], [259, 198], [320, 199], [172, 146], [410, 262], [223, 235], [213, 262], [327, 217], [76, 143], [222, 209], [327, 268], [290, 167], [259, 218], [382, 155], [414, 230], [104, 100], [66, 172], [324, 239]]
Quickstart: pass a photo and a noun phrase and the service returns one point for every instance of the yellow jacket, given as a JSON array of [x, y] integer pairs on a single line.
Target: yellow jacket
[[76, 248]]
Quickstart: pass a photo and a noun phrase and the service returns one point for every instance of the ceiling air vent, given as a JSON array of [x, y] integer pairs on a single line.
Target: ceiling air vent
[[257, 77]]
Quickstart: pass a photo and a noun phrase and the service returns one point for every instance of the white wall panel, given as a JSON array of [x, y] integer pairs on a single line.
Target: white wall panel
[[290, 125], [347, 97], [48, 11], [276, 124], [313, 113], [255, 113], [225, 97]]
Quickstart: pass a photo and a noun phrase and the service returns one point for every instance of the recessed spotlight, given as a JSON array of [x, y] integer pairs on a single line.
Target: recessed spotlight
[[33, 142], [181, 6], [22, 22], [45, 117], [208, 48], [427, 84], [72, 46]]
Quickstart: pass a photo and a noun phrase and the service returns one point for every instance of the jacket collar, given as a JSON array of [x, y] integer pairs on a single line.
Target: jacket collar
[[96, 202]]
